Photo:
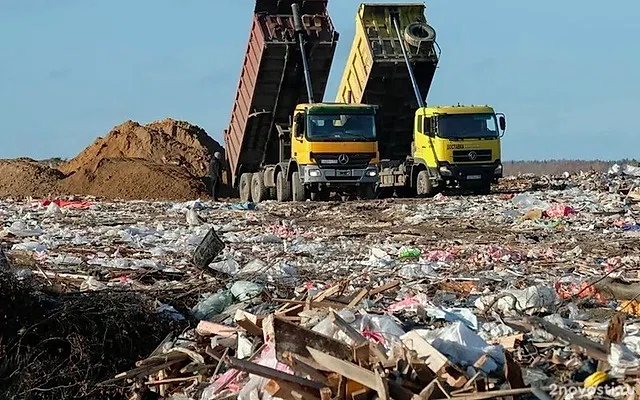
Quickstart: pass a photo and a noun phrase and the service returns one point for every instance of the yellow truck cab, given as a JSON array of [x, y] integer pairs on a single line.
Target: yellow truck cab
[[458, 146], [333, 148]]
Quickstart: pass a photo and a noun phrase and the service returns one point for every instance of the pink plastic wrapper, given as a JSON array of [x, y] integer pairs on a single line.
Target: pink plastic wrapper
[[409, 303], [439, 256], [558, 211]]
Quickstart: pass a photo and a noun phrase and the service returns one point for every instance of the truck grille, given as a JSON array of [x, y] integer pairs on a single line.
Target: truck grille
[[471, 155], [343, 160]]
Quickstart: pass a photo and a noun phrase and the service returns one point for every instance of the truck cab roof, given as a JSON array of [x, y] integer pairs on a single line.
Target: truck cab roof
[[458, 109], [329, 108]]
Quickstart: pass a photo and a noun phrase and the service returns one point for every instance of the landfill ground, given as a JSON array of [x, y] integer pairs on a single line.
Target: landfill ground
[[458, 296]]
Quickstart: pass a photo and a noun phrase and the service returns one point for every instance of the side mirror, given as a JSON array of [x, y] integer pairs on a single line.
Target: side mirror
[[433, 126], [299, 128], [503, 122]]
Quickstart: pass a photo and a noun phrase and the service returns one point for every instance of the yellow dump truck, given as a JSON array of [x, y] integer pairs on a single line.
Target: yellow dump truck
[[422, 148], [283, 142]]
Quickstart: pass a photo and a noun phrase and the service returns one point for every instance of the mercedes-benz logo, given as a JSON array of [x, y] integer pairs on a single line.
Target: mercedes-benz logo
[[343, 159], [473, 155]]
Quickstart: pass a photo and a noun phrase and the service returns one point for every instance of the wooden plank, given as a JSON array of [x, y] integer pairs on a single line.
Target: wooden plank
[[328, 292], [383, 386], [358, 298], [384, 288], [615, 333], [591, 348], [311, 303], [295, 339], [297, 364], [271, 373], [348, 370], [206, 328], [435, 360], [248, 322], [290, 391], [491, 395], [508, 342], [362, 394]]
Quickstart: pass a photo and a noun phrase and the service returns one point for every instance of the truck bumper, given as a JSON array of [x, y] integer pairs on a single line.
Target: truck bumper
[[340, 177], [471, 174]]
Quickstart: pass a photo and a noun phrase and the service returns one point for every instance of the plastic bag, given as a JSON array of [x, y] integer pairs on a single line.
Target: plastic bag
[[530, 300], [21, 229], [464, 347], [212, 305], [245, 291]]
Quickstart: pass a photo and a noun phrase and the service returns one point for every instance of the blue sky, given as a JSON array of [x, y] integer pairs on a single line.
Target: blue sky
[[564, 72]]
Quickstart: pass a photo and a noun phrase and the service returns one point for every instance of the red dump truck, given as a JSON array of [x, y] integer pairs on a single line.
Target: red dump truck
[[282, 142]]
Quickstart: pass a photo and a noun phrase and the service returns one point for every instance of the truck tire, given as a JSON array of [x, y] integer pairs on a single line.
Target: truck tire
[[258, 190], [297, 188], [367, 192], [423, 184], [273, 193], [245, 187], [283, 188], [418, 32]]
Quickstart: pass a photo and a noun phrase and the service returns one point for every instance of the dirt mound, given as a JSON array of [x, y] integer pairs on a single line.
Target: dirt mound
[[26, 177], [165, 159], [168, 142], [133, 179]]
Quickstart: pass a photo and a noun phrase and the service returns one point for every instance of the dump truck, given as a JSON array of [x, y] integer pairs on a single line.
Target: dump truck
[[283, 142], [422, 148]]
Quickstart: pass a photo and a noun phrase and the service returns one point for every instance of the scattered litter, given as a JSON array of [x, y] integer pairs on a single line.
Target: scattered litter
[[452, 297]]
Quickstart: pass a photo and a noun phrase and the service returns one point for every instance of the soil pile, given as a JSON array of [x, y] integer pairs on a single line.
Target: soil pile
[[26, 177], [165, 159], [162, 142], [133, 179]]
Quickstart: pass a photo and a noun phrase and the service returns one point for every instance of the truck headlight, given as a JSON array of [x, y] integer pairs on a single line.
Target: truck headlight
[[444, 171], [372, 172], [498, 169], [314, 173]]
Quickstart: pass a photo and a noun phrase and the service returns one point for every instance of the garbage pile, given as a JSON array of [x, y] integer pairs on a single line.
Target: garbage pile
[[522, 293]]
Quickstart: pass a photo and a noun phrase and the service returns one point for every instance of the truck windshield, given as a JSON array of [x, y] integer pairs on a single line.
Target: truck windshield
[[341, 127], [467, 126]]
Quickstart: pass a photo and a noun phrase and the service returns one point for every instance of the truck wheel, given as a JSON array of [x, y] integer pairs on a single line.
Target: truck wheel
[[367, 192], [297, 188], [273, 193], [418, 33], [423, 184], [258, 191], [283, 188], [245, 187]]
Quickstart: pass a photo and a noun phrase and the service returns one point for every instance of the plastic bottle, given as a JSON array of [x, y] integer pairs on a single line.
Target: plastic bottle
[[407, 253]]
